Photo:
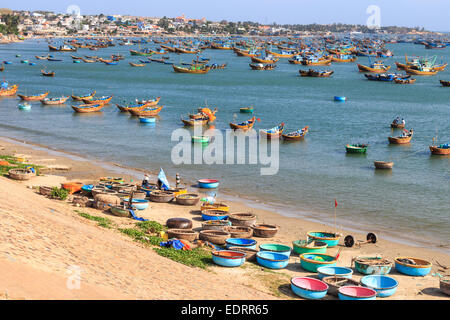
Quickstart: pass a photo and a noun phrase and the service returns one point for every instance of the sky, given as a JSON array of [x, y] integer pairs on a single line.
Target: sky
[[430, 14]]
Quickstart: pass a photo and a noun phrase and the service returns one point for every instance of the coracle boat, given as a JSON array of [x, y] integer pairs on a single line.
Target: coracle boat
[[276, 247], [274, 132], [296, 135], [228, 258], [405, 138], [443, 149], [120, 211], [214, 236], [315, 73], [272, 260], [445, 83], [48, 74], [240, 232], [21, 174], [335, 282], [215, 224], [10, 91], [187, 199], [330, 238], [383, 164], [209, 184], [312, 261], [313, 246], [412, 266], [196, 69], [245, 219], [444, 285], [385, 286], [179, 223], [356, 293], [356, 148], [33, 98], [216, 205], [81, 98], [86, 108], [102, 100], [147, 119], [264, 230], [213, 214], [53, 101], [372, 265], [246, 110], [309, 288], [377, 67], [161, 196], [182, 234], [146, 112], [244, 126], [327, 271]]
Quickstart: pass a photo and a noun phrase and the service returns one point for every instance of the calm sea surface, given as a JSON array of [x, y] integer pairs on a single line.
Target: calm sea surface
[[411, 202]]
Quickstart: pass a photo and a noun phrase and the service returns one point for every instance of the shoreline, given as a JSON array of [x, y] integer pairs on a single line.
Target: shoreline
[[248, 203]]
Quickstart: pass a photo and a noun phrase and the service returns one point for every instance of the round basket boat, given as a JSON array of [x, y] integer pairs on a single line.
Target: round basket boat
[[138, 194], [383, 164], [277, 248], [245, 219], [272, 260], [239, 232], [356, 293], [328, 271], [264, 230], [309, 288], [251, 253], [96, 191], [182, 234], [312, 261], [228, 258], [335, 282], [148, 188], [120, 211], [385, 286], [187, 199], [208, 183], [179, 223], [412, 266], [241, 243], [216, 206], [444, 285], [45, 191], [331, 239], [215, 224], [214, 236], [20, 174], [372, 265], [214, 215], [122, 187], [315, 246], [161, 196], [112, 180], [139, 204]]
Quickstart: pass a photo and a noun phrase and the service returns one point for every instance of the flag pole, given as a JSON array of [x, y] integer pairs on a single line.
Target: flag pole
[[335, 205]]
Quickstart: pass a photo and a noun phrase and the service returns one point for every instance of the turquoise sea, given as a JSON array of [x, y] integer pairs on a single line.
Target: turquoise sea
[[409, 203]]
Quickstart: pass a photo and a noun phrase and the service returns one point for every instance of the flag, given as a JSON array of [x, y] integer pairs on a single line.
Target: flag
[[162, 178], [335, 203]]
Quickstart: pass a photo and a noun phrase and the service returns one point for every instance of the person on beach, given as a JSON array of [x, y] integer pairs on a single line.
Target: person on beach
[[146, 180]]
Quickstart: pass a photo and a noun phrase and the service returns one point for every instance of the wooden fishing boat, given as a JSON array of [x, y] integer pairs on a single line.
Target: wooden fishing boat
[[140, 53], [33, 98], [324, 62], [388, 77], [53, 101], [137, 64], [374, 68], [114, 63], [259, 60], [274, 132], [383, 164], [338, 58], [150, 102], [10, 91], [316, 73], [295, 135], [445, 83], [138, 106], [42, 58], [242, 53], [88, 60], [260, 66], [102, 100], [76, 58], [280, 55], [244, 126], [146, 112], [404, 81], [86, 108], [88, 97], [48, 74], [406, 138], [193, 69], [397, 125], [195, 122], [443, 149], [356, 148], [184, 50], [416, 72]]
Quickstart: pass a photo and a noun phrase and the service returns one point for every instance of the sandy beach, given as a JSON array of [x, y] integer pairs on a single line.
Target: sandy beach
[[43, 238]]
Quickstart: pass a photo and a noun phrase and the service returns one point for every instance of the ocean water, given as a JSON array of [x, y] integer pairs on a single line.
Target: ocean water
[[411, 202]]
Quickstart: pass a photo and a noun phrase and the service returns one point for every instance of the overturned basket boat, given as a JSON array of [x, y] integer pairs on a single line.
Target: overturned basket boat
[[215, 225], [264, 230], [239, 231], [120, 211], [245, 219], [187, 199], [214, 236], [182, 234], [179, 223], [20, 174], [161, 196]]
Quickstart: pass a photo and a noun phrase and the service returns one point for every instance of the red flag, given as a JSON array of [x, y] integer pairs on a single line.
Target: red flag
[[335, 203]]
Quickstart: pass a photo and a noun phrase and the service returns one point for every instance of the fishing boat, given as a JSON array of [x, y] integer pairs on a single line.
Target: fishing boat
[[404, 138], [138, 106], [147, 119], [146, 112], [246, 110], [442, 149], [137, 64], [280, 55], [316, 73], [343, 58], [140, 53], [380, 77], [102, 100], [24, 106], [445, 83], [195, 122], [295, 135], [150, 102], [89, 60], [112, 63], [356, 148], [48, 74], [81, 98], [53, 101], [421, 71], [42, 57], [412, 266], [87, 108], [260, 66], [274, 132], [33, 98], [244, 126], [10, 91], [196, 69], [377, 67], [316, 62], [398, 124], [383, 164], [267, 59], [404, 81]]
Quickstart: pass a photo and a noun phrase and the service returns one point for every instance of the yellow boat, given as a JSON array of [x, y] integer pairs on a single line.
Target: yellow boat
[[215, 206]]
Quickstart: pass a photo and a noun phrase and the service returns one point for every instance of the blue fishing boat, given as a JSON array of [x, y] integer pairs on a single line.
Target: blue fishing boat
[[240, 242], [31, 64], [24, 61], [114, 63], [144, 61], [412, 266], [208, 183], [328, 271], [340, 98], [228, 258], [309, 288], [272, 260], [356, 293], [381, 77], [385, 286], [313, 261], [277, 248]]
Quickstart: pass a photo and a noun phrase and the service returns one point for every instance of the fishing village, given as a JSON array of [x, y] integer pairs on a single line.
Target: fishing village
[[87, 183]]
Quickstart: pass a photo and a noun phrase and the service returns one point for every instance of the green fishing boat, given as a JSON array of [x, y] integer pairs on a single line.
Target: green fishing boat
[[356, 148], [246, 110]]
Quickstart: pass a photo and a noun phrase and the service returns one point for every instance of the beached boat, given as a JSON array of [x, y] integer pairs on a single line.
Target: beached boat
[[87, 108], [53, 101], [147, 112], [10, 91], [247, 125], [405, 138], [33, 98], [274, 132], [356, 148], [295, 135], [48, 74], [316, 73], [442, 149], [196, 69], [102, 100], [260, 66], [412, 266]]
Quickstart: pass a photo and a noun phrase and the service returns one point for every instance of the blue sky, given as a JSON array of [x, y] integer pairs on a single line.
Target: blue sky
[[431, 14]]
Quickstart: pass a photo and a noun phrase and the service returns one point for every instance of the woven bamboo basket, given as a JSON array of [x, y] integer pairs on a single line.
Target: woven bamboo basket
[[214, 236], [20, 174]]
